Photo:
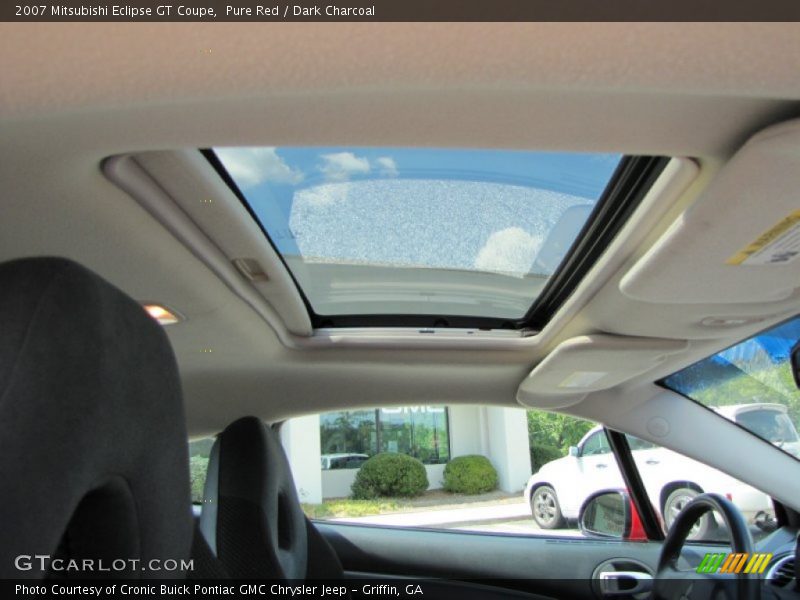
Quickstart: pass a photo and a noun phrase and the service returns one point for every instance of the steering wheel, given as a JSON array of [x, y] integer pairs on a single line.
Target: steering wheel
[[672, 583]]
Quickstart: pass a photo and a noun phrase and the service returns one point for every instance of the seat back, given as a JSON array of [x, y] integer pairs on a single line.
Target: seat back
[[252, 518], [93, 451]]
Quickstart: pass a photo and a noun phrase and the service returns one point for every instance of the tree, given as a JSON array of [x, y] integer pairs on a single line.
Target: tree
[[555, 430]]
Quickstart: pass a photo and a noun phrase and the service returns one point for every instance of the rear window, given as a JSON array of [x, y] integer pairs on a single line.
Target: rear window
[[199, 451]]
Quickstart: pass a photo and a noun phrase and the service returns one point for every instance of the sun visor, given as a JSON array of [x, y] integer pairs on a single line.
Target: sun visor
[[743, 234], [591, 363]]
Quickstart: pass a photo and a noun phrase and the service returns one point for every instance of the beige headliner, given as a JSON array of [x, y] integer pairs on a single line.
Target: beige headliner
[[72, 95]]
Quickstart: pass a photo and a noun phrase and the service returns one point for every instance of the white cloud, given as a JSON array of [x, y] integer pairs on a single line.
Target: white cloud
[[341, 165], [388, 168], [250, 167], [318, 196], [511, 250]]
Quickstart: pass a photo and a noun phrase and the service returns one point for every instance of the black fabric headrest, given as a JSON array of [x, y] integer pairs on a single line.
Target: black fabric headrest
[[93, 446], [251, 515]]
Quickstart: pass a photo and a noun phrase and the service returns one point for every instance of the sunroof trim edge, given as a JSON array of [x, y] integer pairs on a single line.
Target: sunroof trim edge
[[628, 185]]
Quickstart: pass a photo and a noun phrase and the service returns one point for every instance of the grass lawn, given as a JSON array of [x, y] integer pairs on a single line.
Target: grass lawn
[[344, 507], [430, 500]]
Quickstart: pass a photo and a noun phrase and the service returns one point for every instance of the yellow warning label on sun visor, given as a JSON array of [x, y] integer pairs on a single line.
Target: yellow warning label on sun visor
[[777, 246]]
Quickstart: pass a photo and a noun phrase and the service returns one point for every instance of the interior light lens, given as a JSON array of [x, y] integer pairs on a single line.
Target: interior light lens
[[162, 314]]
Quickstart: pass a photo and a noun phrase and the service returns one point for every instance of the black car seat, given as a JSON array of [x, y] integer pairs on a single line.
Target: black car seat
[[93, 447], [252, 518]]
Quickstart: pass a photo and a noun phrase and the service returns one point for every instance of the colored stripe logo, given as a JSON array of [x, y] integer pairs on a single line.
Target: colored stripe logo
[[737, 562]]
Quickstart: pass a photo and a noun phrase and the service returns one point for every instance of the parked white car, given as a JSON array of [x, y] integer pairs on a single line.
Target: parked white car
[[559, 488], [767, 420], [342, 461]]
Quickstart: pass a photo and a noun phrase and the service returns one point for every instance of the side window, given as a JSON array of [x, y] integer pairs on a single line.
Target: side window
[[596, 444], [199, 451], [637, 444], [672, 480], [472, 468]]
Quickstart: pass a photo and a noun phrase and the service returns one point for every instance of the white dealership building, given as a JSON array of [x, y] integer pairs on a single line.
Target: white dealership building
[[434, 434]]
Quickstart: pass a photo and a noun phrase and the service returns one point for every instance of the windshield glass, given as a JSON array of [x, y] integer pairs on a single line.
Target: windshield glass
[[751, 384], [774, 426]]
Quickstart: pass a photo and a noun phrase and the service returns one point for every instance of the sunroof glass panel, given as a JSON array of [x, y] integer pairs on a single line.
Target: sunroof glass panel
[[402, 231]]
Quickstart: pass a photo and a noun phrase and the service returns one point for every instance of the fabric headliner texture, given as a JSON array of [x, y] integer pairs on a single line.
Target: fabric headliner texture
[[93, 446]]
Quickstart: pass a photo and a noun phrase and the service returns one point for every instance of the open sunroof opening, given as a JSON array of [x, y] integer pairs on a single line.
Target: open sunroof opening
[[431, 237]]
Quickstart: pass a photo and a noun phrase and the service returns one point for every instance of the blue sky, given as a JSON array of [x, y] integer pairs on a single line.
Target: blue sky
[[457, 209], [774, 345], [759, 357]]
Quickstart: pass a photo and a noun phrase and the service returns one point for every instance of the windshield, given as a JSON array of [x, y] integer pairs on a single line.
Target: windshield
[[751, 384], [773, 426]]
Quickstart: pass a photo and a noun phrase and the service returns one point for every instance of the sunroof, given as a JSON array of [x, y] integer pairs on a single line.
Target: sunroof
[[420, 237]]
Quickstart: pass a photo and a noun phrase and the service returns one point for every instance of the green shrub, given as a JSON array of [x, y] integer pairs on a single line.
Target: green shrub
[[541, 454], [198, 466], [471, 474], [390, 475]]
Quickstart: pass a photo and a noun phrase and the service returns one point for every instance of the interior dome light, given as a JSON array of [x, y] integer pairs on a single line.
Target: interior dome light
[[162, 314]]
